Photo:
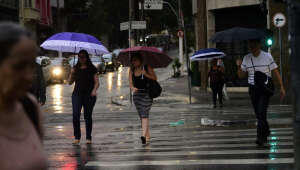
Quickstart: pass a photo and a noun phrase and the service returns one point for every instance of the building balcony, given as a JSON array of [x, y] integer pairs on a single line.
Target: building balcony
[[31, 14]]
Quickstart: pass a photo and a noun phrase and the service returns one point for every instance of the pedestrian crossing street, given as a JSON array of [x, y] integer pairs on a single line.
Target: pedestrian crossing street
[[193, 148]]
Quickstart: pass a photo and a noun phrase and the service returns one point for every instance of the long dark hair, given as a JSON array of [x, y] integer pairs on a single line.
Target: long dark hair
[[88, 60], [136, 56], [10, 35]]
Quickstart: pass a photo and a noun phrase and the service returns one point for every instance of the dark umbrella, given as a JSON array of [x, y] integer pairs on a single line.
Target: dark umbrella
[[151, 56], [237, 34]]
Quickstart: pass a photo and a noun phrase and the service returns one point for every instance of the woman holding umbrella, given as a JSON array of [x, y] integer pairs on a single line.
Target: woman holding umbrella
[[84, 74], [138, 76], [217, 79]]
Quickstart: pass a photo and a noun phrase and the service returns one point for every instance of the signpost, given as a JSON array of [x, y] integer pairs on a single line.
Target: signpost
[[153, 4], [279, 21], [135, 25]]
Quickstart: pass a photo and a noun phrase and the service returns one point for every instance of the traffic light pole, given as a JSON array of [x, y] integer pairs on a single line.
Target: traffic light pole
[[280, 49]]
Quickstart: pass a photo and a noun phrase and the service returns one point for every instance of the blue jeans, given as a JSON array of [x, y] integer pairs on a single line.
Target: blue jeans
[[88, 103], [260, 102]]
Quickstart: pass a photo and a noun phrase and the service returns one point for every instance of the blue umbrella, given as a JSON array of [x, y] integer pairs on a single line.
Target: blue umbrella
[[237, 34], [207, 54], [74, 42]]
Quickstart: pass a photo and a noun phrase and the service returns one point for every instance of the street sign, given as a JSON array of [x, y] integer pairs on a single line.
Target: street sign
[[180, 33], [135, 25], [279, 20], [139, 25], [124, 26], [153, 4]]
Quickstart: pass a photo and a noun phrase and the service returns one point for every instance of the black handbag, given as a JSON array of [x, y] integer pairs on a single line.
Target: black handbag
[[153, 87], [263, 81]]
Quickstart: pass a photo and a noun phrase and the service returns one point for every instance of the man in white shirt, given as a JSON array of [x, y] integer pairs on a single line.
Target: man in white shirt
[[259, 60]]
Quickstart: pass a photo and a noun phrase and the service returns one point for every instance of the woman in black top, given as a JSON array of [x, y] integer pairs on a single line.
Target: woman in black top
[[217, 79], [84, 74], [138, 76]]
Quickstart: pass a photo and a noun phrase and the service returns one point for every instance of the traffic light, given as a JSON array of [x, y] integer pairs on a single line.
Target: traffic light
[[269, 38], [269, 42]]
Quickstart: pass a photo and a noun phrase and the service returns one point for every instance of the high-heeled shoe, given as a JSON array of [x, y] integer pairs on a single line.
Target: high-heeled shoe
[[143, 140]]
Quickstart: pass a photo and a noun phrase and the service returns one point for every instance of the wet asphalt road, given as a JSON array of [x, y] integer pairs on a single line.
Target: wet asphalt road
[[180, 138]]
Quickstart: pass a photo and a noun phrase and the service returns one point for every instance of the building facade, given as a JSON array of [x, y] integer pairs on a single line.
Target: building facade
[[9, 10]]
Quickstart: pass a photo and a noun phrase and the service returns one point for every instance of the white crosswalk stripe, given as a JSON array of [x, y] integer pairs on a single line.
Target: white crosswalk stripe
[[205, 148]]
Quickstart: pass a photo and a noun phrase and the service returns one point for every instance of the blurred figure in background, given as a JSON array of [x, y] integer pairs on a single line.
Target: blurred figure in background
[[224, 90], [38, 88], [20, 115]]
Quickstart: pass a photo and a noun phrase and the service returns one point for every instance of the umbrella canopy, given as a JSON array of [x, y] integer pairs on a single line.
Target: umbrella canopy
[[74, 42], [151, 56], [237, 34], [207, 54]]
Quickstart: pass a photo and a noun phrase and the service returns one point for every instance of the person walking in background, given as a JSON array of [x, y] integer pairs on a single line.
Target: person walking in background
[[217, 78], [38, 88], [138, 76], [85, 76], [224, 90], [261, 61], [20, 116]]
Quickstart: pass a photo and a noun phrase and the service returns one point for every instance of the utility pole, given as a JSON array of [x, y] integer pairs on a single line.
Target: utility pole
[[202, 39], [294, 33], [180, 25], [131, 18], [142, 18]]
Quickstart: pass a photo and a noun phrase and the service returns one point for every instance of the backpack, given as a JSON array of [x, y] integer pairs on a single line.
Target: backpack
[[31, 112]]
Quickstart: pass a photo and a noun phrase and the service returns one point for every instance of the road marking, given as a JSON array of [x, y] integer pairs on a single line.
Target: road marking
[[184, 153], [192, 162]]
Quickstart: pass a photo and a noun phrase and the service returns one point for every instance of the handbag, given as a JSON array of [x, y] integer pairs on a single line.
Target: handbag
[[153, 87], [263, 81]]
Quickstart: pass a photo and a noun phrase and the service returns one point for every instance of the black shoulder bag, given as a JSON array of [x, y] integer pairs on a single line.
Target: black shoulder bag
[[153, 87], [263, 81]]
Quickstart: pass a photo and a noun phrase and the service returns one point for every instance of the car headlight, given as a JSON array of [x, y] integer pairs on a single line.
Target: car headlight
[[57, 71]]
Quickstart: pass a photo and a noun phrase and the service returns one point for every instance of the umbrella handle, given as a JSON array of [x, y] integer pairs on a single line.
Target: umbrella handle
[[143, 74]]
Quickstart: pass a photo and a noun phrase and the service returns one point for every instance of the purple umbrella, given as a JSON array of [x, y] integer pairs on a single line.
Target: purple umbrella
[[74, 42]]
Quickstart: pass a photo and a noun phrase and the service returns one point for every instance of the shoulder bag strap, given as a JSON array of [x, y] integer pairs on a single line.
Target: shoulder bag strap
[[253, 65]]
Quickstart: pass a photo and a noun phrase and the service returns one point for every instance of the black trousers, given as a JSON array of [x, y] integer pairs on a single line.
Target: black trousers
[[88, 103], [260, 102], [217, 89]]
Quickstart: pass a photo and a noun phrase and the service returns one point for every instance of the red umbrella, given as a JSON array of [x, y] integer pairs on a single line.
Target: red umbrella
[[151, 56]]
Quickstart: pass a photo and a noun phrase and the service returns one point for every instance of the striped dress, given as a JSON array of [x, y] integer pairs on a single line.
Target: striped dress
[[141, 98]]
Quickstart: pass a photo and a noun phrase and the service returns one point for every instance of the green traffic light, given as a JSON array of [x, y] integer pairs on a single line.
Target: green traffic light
[[269, 42]]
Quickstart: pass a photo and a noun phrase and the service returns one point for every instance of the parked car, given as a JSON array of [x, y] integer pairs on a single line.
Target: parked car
[[99, 63], [59, 70], [111, 61]]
